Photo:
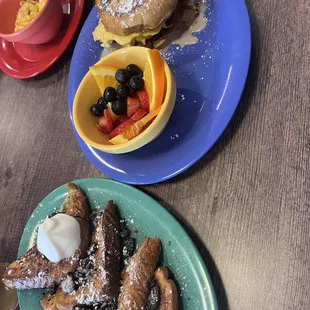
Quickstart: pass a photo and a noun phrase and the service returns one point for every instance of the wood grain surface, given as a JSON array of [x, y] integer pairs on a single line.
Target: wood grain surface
[[245, 203]]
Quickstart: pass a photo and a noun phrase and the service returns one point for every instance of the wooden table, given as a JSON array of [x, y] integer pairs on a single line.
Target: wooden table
[[245, 203]]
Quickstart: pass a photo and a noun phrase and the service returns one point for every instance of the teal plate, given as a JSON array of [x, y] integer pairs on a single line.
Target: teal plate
[[145, 217]]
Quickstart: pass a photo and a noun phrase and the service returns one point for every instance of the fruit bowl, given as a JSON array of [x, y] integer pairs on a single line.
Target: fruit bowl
[[88, 94]]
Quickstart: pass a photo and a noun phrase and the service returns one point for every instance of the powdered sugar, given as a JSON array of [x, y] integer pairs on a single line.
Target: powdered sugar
[[40, 281], [119, 7], [133, 271]]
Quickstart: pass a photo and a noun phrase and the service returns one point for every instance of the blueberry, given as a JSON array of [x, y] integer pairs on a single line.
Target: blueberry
[[119, 106], [122, 76], [109, 94], [129, 245], [96, 110], [136, 83], [102, 102], [134, 70], [123, 91]]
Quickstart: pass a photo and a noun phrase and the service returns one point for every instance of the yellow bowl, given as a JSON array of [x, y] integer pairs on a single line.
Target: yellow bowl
[[88, 94]]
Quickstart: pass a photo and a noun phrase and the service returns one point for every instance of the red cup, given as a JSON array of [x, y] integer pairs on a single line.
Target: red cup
[[42, 29]]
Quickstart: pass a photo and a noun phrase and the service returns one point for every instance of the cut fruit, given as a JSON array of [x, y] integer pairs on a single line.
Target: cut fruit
[[104, 76], [133, 129], [120, 120], [123, 122], [108, 119], [138, 115], [146, 125], [121, 128], [154, 79], [144, 99], [133, 105], [105, 123], [102, 129]]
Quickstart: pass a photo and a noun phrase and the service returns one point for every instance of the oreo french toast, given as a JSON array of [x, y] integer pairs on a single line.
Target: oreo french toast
[[143, 287], [33, 269], [97, 279], [91, 277], [138, 276]]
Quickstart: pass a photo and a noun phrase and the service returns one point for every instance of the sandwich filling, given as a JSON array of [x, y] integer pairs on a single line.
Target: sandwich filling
[[106, 38]]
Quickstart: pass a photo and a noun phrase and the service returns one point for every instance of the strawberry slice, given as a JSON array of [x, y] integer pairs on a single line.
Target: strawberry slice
[[133, 105], [120, 120], [121, 128], [102, 129], [138, 115], [144, 99], [105, 123]]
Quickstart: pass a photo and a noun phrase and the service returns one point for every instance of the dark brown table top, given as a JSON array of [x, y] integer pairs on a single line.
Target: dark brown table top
[[245, 203]]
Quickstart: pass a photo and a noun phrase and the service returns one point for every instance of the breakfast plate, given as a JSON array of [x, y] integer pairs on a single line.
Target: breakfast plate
[[23, 61], [145, 217], [210, 76]]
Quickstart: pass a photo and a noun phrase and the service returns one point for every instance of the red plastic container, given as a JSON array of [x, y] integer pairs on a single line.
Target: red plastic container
[[42, 29]]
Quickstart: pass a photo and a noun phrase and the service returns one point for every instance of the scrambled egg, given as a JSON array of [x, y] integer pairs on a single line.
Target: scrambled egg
[[106, 38], [28, 11]]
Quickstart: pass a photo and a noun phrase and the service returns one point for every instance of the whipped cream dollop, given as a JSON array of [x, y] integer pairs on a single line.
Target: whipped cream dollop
[[59, 237]]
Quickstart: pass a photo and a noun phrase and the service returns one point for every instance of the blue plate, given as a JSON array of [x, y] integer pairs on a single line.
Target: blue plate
[[145, 218], [210, 77]]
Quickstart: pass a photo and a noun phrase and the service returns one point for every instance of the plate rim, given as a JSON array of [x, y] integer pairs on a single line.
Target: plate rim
[[39, 69], [242, 67], [159, 207]]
